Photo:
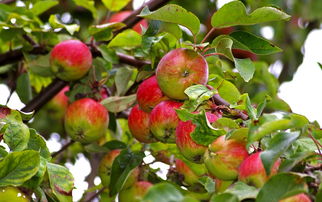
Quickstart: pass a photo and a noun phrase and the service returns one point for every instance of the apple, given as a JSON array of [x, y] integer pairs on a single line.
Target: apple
[[57, 106], [70, 60], [4, 111], [13, 194], [252, 171], [105, 168], [120, 16], [188, 148], [189, 177], [223, 158], [164, 120], [222, 185], [240, 53], [135, 193], [179, 69], [149, 94], [297, 198], [138, 122], [86, 120]]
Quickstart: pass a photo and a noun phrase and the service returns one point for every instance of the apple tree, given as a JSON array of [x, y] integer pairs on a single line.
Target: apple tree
[[185, 83]]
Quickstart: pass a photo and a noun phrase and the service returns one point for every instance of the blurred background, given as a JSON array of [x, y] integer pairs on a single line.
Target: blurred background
[[297, 81]]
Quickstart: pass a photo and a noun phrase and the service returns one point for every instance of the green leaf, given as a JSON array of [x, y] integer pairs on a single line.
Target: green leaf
[[208, 183], [103, 32], [24, 88], [234, 13], [196, 94], [42, 6], [61, 181], [124, 79], [223, 45], [54, 23], [37, 179], [117, 104], [163, 192], [291, 161], [89, 5], [16, 135], [115, 5], [225, 123], [281, 186], [121, 168], [174, 14], [128, 38], [171, 28], [277, 145], [242, 191], [255, 43], [204, 133], [38, 65], [228, 92], [114, 144], [320, 65], [227, 197], [37, 143], [3, 152], [245, 68], [108, 54], [18, 167]]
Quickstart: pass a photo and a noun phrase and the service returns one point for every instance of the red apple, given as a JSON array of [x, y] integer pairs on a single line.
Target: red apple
[[240, 53], [70, 60], [86, 120], [135, 193], [58, 105], [189, 177], [139, 125], [149, 94], [179, 69], [223, 158], [297, 198], [252, 171], [120, 16], [164, 120], [188, 148], [105, 168]]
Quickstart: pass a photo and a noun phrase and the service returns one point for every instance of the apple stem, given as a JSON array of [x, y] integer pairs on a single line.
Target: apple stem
[[213, 54], [208, 35]]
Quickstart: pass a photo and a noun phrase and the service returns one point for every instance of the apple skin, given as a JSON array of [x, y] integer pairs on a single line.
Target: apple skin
[[164, 120], [105, 168], [135, 193], [138, 122], [120, 16], [222, 185], [223, 158], [149, 94], [86, 120], [242, 54], [297, 198], [189, 149], [70, 60], [189, 177], [58, 105], [252, 171], [179, 69], [8, 194]]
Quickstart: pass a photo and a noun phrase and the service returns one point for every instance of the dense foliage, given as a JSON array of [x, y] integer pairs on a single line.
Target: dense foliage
[[179, 82]]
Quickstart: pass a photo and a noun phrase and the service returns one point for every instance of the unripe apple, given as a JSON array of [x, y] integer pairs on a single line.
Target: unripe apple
[[189, 177], [12, 194], [70, 60], [222, 185], [149, 94], [297, 198], [86, 120], [189, 148], [105, 169], [179, 69], [164, 120], [135, 193], [223, 158], [139, 125], [120, 16], [252, 171]]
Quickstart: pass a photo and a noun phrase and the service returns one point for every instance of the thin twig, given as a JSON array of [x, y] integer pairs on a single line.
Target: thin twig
[[317, 144], [220, 101], [29, 40], [208, 35], [213, 54], [92, 197], [63, 148]]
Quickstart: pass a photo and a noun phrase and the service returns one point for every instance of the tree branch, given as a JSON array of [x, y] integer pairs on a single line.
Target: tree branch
[[7, 1], [219, 101], [63, 148]]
